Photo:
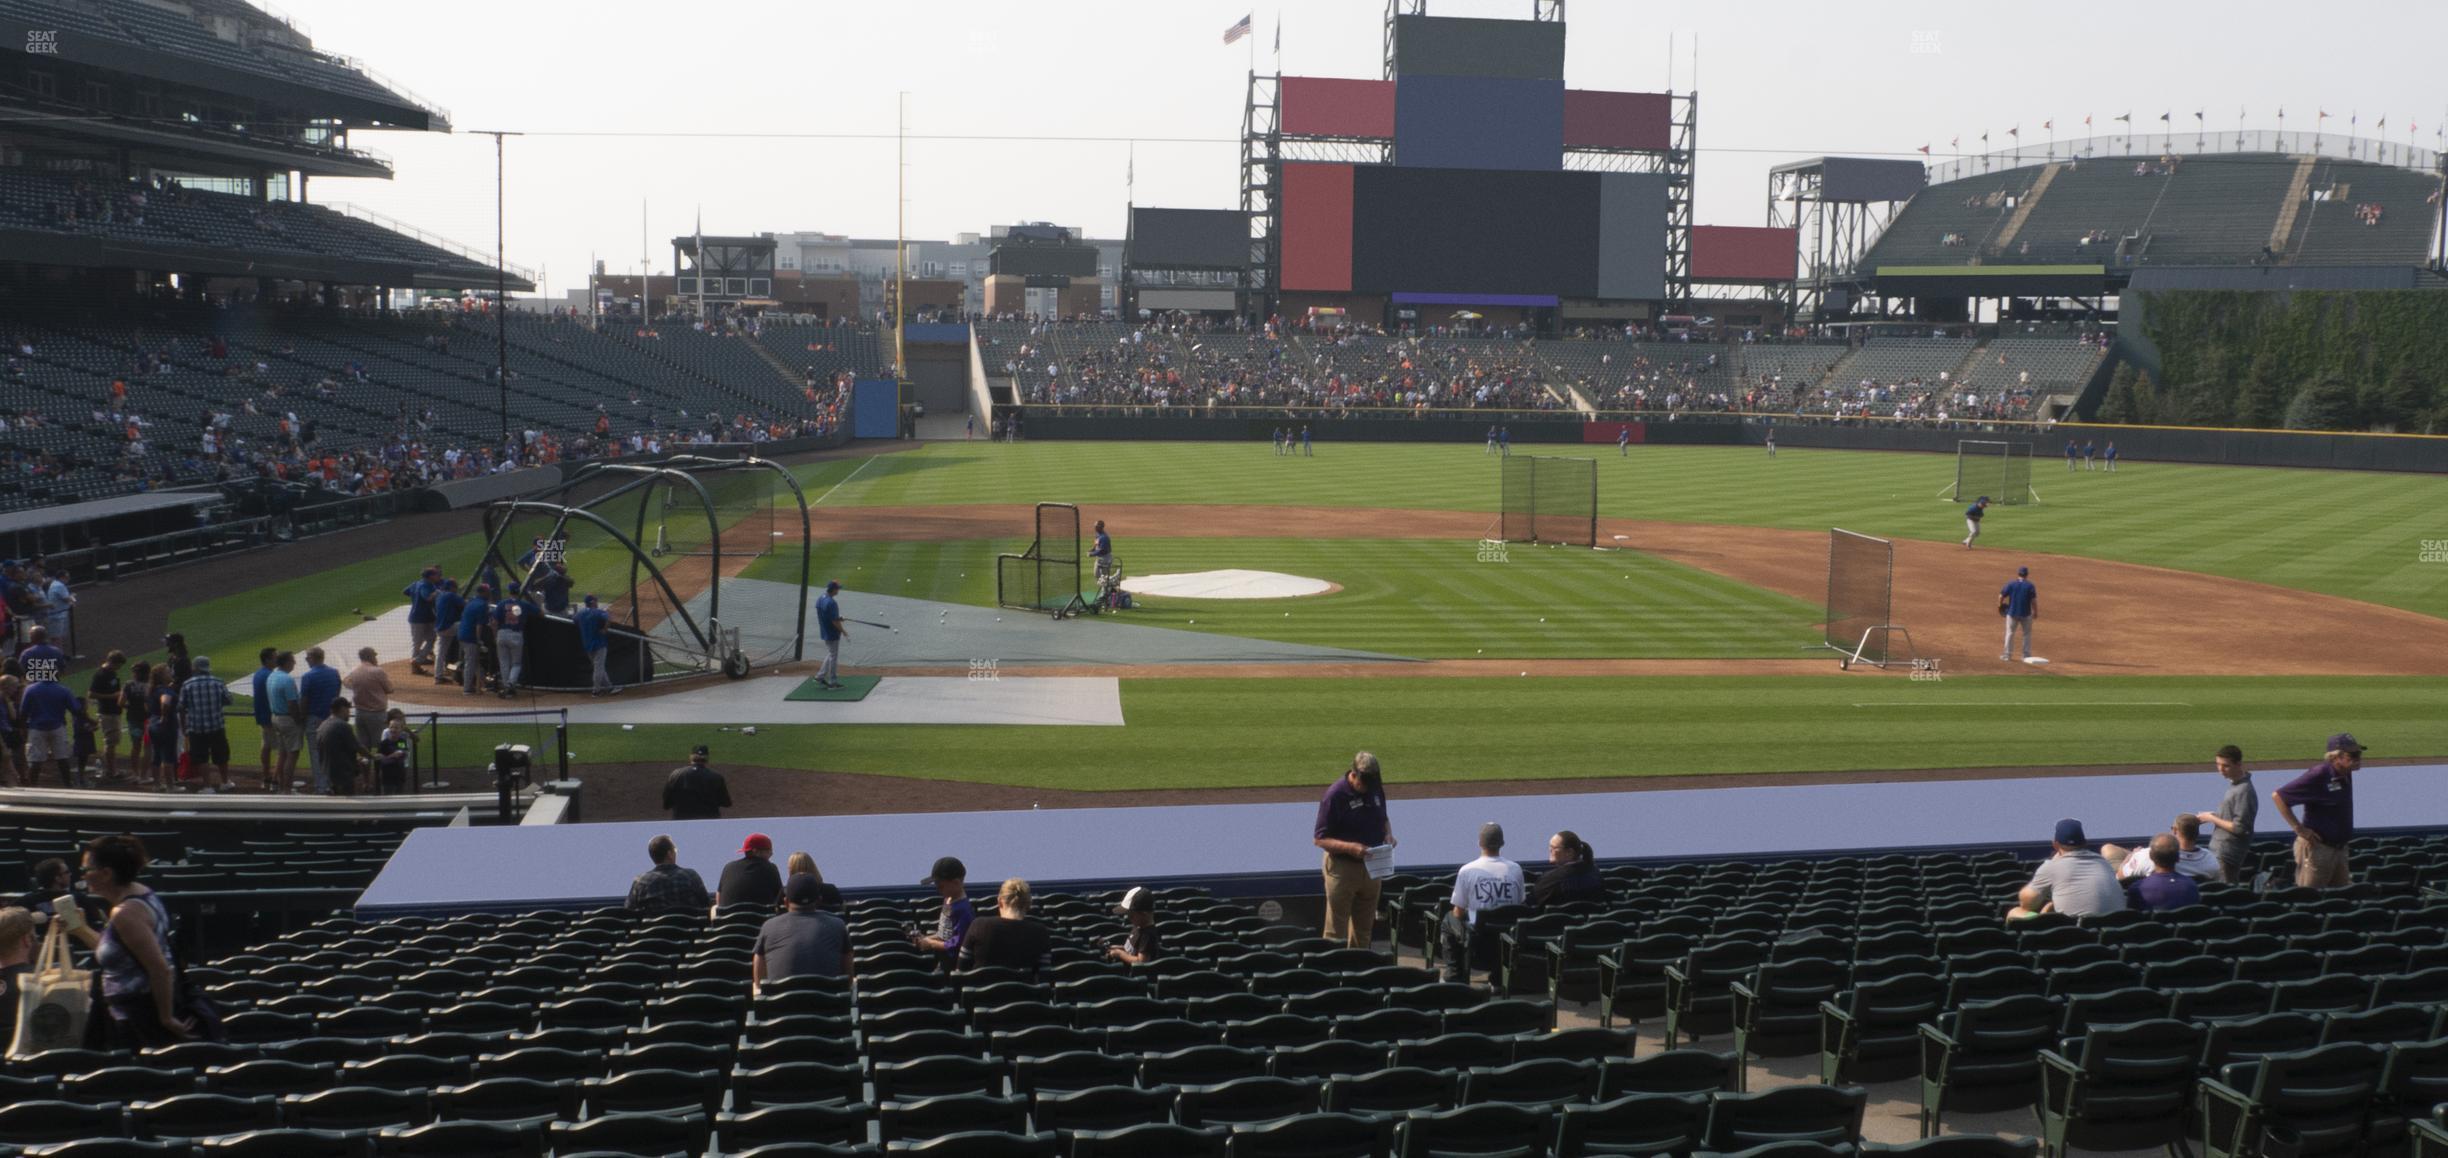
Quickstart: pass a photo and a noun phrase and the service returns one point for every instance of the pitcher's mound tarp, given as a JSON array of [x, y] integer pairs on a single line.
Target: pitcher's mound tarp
[[853, 689]]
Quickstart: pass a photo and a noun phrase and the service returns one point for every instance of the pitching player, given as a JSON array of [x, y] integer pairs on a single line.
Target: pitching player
[[2019, 602], [1972, 518], [829, 628]]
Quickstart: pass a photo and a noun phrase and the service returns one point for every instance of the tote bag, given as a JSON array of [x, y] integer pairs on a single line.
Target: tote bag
[[54, 1001]]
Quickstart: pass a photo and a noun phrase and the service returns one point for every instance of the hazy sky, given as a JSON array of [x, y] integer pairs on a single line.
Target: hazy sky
[[625, 102]]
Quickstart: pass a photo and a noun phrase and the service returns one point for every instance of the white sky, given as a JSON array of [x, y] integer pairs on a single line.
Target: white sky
[[619, 97]]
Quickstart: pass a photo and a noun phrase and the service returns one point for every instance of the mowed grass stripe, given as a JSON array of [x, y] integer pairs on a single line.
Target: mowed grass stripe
[[2349, 533], [1257, 733]]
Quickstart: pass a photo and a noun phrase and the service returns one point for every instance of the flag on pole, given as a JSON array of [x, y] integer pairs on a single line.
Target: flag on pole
[[2382, 123], [2324, 115], [1239, 29], [2126, 116], [2086, 120], [2049, 125], [2164, 116], [2197, 113], [2015, 132], [1955, 142], [1925, 150], [1279, 34]]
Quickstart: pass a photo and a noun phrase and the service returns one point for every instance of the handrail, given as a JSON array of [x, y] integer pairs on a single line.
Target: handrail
[[395, 225], [2114, 147]]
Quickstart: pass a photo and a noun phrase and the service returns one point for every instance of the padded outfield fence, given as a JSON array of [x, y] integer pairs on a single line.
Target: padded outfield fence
[[1046, 577], [1549, 500]]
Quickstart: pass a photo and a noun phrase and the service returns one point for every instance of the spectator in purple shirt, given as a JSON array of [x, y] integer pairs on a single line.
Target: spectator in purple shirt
[[2165, 888], [950, 880], [1351, 819], [2326, 792]]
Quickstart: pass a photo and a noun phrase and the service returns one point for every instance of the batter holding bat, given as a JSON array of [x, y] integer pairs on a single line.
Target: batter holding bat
[[829, 629]]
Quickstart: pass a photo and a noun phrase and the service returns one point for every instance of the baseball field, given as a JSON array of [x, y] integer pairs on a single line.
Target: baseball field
[[2181, 608]]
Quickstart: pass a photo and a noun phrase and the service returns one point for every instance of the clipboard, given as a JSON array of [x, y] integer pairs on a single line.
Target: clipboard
[[1379, 860]]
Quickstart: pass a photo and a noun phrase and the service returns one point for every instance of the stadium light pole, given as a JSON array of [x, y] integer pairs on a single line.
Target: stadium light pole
[[501, 290]]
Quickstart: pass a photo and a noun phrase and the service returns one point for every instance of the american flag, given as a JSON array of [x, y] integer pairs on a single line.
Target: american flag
[[1237, 31]]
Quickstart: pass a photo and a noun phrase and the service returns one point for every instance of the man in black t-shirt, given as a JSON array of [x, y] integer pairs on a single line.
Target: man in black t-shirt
[[752, 879], [697, 791]]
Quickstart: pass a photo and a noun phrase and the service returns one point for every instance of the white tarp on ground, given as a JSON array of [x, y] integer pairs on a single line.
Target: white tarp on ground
[[1090, 701], [1233, 583]]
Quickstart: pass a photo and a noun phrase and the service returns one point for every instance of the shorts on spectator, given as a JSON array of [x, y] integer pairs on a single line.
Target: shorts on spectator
[[209, 747], [285, 734], [44, 745]]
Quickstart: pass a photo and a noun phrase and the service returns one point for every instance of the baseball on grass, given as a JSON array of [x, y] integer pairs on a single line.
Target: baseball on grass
[[628, 727]]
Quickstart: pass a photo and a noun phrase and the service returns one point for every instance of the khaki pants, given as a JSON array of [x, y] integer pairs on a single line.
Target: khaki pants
[[2319, 866], [1351, 901]]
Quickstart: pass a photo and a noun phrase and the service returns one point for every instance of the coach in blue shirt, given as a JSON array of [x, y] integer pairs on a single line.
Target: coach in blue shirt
[[472, 623], [2019, 602], [318, 685], [448, 604], [595, 637], [421, 618], [1351, 819]]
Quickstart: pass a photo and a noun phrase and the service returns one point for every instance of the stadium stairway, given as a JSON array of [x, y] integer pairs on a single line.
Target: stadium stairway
[[2031, 200], [2296, 188]]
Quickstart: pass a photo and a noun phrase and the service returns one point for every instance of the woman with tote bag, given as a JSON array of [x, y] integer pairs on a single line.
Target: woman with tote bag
[[148, 999], [42, 993]]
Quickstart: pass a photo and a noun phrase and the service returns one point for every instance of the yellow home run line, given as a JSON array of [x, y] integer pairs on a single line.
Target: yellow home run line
[[2025, 704]]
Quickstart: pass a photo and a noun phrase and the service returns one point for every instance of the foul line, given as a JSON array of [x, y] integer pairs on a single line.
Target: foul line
[[845, 478], [2025, 704]]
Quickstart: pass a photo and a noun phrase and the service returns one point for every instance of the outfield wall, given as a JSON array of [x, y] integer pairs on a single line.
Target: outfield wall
[[2324, 451]]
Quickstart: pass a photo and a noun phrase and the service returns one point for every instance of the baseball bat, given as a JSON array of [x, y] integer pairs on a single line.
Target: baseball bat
[[866, 623]]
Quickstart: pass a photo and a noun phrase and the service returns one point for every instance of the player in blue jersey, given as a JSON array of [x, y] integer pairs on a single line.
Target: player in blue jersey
[[1972, 518]]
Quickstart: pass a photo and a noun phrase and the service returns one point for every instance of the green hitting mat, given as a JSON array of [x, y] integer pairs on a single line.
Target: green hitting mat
[[854, 689]]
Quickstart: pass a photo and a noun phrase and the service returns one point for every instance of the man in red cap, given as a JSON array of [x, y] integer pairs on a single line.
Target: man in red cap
[[752, 879], [696, 791]]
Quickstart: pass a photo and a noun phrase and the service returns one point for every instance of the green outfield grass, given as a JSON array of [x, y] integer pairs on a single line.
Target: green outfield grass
[[1429, 599], [1241, 732], [2350, 533]]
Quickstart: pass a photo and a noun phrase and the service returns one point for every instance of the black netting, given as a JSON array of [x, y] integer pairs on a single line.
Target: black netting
[[1046, 577], [1860, 586], [2000, 470], [1549, 500]]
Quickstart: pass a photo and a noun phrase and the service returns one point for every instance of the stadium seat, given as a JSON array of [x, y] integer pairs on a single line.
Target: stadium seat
[[2113, 1007], [1204, 1065], [1387, 1026], [830, 1123], [1246, 1100], [2229, 1001], [646, 1135], [357, 1108], [407, 1071], [1327, 1058], [1639, 1124], [2300, 1104], [193, 1116], [509, 1100], [462, 1140], [1827, 1114], [1495, 1129], [928, 1077], [1391, 1092], [1776, 1009], [1312, 1135], [1674, 1071], [1588, 1043], [784, 1083], [950, 1114], [983, 1144], [1454, 1051], [1871, 1032], [1959, 1146], [1542, 1082], [1103, 1107], [2120, 1087], [1985, 1057], [43, 1121], [1134, 1141], [1503, 1017], [2382, 1026], [109, 1148], [287, 1143], [1700, 988], [126, 1083]]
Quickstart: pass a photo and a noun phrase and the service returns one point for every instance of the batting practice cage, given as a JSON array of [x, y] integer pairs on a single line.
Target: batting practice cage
[[1860, 589], [688, 554], [2000, 470], [1046, 577], [1549, 500]]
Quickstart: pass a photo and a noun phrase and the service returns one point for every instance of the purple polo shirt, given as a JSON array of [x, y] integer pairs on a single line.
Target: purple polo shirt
[[1348, 813], [2327, 801]]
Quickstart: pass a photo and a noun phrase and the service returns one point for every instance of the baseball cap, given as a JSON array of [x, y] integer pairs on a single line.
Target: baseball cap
[[2023, 571], [803, 889], [433, 570], [2070, 833], [203, 663], [756, 842], [1137, 900], [2342, 742], [1982, 499], [700, 750], [590, 601], [832, 584], [947, 868]]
